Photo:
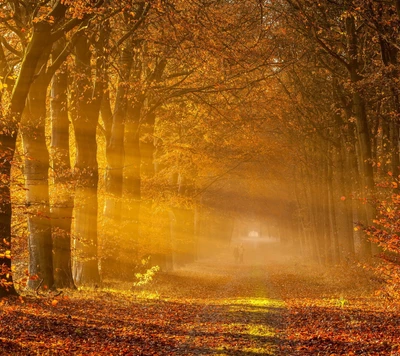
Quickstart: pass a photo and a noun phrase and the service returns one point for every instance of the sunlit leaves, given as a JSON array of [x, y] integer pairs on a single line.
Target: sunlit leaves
[[7, 254], [386, 233], [334, 310], [192, 312]]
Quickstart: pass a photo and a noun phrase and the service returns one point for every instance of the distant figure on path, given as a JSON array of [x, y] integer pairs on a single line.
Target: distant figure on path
[[236, 254], [241, 253]]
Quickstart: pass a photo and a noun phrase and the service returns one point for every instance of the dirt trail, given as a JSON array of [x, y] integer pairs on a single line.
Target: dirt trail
[[239, 314], [209, 308], [213, 307], [307, 309]]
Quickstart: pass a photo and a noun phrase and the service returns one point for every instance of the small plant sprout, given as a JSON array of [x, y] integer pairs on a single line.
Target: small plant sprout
[[143, 279], [341, 302]]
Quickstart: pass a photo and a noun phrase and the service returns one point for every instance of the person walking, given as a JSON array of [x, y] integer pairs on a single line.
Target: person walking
[[241, 253]]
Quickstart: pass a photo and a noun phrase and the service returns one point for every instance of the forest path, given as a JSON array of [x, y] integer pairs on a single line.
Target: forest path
[[211, 307], [208, 308], [282, 305], [239, 314]]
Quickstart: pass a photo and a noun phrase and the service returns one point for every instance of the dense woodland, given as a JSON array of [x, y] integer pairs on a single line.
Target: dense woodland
[[135, 128]]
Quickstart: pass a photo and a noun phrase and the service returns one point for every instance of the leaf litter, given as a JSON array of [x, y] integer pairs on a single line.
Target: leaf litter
[[270, 309]]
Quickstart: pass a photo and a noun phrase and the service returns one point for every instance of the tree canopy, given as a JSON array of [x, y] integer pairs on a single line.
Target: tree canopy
[[133, 128]]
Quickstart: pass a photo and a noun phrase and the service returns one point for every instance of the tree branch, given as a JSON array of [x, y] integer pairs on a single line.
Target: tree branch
[[10, 48]]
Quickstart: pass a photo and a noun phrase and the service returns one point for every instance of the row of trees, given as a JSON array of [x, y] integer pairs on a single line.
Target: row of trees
[[142, 121], [344, 116], [157, 93]]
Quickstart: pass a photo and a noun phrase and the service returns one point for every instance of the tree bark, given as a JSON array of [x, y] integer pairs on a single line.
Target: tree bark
[[132, 185], [85, 116], [364, 151], [62, 207], [9, 125], [114, 171], [36, 169]]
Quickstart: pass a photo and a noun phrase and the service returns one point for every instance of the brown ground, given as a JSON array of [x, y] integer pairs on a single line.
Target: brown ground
[[267, 306]]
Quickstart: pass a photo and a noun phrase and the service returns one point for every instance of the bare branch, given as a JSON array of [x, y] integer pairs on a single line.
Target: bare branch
[[10, 48]]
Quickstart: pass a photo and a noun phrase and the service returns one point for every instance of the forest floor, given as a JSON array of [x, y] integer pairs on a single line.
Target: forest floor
[[263, 307]]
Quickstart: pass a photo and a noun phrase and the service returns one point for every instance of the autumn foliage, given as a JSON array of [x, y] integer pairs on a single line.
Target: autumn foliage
[[169, 131], [385, 232]]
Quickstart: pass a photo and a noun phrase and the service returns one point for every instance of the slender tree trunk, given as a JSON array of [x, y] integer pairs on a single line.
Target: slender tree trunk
[[174, 228], [86, 110], [36, 167], [185, 222], [6, 154], [131, 175], [389, 58], [363, 132], [147, 142], [147, 171], [346, 173], [343, 202], [335, 252], [310, 180], [300, 217], [329, 239], [147, 166], [63, 201], [147, 146], [114, 172], [132, 178]]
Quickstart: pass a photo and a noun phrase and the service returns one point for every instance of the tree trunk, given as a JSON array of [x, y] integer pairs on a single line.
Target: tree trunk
[[147, 167], [6, 154], [63, 201], [183, 223], [8, 136], [389, 54], [36, 168], [363, 133], [147, 146], [86, 110], [114, 171], [131, 187], [332, 198], [6, 281], [344, 201]]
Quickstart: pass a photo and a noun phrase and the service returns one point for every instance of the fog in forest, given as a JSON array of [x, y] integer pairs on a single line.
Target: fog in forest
[[197, 177]]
